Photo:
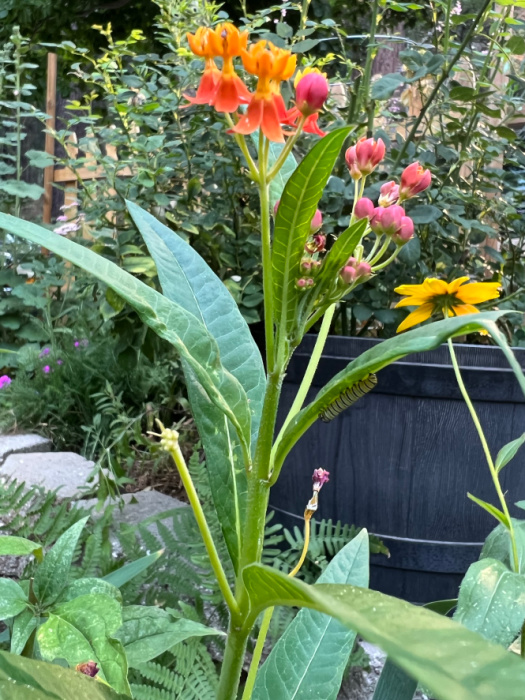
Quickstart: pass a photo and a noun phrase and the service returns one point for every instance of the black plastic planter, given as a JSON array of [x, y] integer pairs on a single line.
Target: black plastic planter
[[403, 458]]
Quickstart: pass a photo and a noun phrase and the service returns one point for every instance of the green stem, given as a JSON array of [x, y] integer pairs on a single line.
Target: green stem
[[257, 653], [388, 261], [446, 38], [173, 447], [308, 377], [367, 73], [241, 142], [444, 76], [232, 664], [486, 450], [382, 251], [266, 236], [374, 248], [287, 149]]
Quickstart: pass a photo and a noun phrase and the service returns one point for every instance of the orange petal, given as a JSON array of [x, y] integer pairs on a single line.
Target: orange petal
[[230, 93], [207, 88], [418, 316], [270, 124], [250, 121], [281, 108], [311, 126], [477, 292]]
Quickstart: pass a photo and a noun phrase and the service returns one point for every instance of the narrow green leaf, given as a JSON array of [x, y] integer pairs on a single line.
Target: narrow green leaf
[[508, 452], [82, 630], [442, 607], [495, 512], [453, 662], [52, 575], [147, 632], [23, 625], [26, 679], [12, 598], [421, 339], [127, 572], [492, 601], [188, 280], [169, 320], [292, 223], [394, 684], [17, 546], [310, 658]]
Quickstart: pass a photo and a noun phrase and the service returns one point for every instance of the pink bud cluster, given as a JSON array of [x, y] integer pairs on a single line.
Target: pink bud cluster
[[363, 158], [354, 270], [393, 222]]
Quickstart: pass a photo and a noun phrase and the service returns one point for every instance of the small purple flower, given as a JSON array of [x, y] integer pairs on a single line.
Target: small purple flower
[[81, 343], [60, 362], [46, 369], [4, 381], [62, 217], [44, 352], [320, 477]]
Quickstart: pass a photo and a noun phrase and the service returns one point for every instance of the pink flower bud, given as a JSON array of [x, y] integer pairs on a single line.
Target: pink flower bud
[[306, 264], [316, 244], [389, 194], [311, 93], [414, 180], [320, 477], [405, 231], [363, 158], [363, 269], [301, 283], [317, 221], [348, 274], [391, 219], [89, 668], [354, 270], [364, 209]]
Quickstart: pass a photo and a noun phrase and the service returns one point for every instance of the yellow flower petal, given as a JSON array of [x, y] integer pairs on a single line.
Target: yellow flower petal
[[413, 301], [477, 292], [464, 309], [417, 316], [456, 284], [435, 286], [409, 289]]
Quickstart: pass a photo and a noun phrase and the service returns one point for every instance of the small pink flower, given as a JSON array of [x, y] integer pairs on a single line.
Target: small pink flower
[[389, 194], [364, 209], [62, 217], [354, 270], [320, 477], [311, 93], [363, 158], [44, 352], [387, 219], [405, 231], [60, 362], [46, 369], [5, 380], [414, 180], [316, 222], [316, 245]]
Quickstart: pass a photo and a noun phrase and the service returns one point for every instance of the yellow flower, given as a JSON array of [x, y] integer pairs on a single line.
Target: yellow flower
[[451, 298]]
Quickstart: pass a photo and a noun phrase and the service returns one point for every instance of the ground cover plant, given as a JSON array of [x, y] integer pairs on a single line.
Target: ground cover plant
[[234, 398]]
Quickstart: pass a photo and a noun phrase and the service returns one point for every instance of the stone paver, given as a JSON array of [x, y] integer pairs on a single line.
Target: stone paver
[[148, 503], [19, 444], [66, 471]]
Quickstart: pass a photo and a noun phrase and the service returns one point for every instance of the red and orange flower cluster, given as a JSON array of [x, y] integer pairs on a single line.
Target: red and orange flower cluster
[[225, 91]]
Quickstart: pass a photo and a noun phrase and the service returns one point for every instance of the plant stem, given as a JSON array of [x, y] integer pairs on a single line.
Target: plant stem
[[287, 149], [367, 73], [266, 237], [308, 376], [173, 447], [444, 76], [232, 663], [388, 261], [486, 450], [382, 251], [446, 38]]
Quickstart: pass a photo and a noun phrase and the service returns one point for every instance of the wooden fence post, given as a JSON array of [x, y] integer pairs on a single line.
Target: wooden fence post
[[50, 141]]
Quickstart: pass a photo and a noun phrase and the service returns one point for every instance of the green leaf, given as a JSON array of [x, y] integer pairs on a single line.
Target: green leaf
[[394, 684], [508, 452], [495, 512], [173, 323], [492, 601], [463, 93], [82, 630], [421, 339], [87, 586], [26, 679], [292, 224], [310, 658], [425, 214], [52, 575], [453, 662], [384, 88], [128, 572], [188, 280], [147, 632], [12, 598], [498, 545], [39, 159], [17, 546], [17, 188], [23, 626], [505, 133]]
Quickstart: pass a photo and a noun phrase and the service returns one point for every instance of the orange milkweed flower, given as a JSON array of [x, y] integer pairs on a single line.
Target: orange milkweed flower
[[227, 42], [266, 109], [201, 46], [451, 298]]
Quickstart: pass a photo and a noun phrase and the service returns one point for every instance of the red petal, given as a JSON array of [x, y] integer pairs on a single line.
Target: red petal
[[230, 93], [311, 126], [271, 124], [281, 108], [251, 121]]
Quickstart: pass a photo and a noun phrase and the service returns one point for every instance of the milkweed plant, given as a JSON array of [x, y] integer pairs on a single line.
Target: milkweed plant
[[234, 394]]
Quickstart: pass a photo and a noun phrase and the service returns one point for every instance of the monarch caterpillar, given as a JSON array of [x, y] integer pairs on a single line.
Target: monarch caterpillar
[[348, 397]]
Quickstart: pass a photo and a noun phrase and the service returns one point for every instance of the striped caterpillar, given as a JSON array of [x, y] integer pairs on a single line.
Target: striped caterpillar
[[348, 397]]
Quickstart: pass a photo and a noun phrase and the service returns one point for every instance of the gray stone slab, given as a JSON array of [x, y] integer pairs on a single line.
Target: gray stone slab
[[66, 471], [20, 444], [148, 503]]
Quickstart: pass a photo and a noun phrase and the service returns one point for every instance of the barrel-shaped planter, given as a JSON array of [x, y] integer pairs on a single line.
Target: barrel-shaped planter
[[403, 458]]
